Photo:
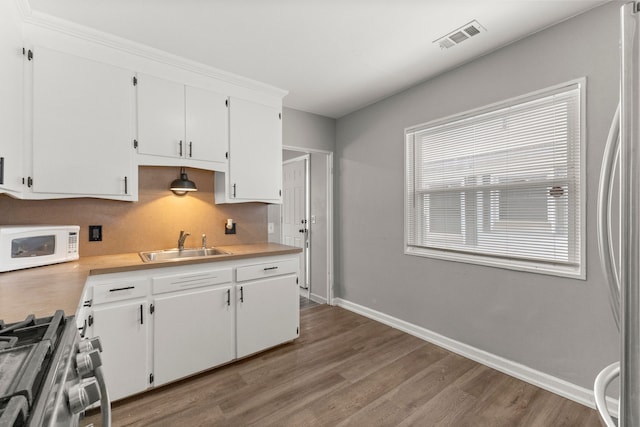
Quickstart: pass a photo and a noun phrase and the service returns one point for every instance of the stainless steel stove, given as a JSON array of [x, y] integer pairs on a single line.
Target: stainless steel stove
[[48, 375]]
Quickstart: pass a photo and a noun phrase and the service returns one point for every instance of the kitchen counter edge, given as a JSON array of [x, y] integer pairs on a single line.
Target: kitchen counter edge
[[42, 290]]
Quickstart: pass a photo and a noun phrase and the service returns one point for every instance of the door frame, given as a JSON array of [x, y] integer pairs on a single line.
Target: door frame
[[329, 213]]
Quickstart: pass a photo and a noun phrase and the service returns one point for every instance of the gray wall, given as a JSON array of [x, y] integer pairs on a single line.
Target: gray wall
[[306, 130], [556, 325]]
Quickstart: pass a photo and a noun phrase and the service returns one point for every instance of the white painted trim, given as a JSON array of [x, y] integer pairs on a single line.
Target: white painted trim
[[540, 379], [317, 298], [53, 23], [305, 156]]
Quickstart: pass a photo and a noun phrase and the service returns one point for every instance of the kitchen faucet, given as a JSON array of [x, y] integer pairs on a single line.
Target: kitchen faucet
[[181, 239]]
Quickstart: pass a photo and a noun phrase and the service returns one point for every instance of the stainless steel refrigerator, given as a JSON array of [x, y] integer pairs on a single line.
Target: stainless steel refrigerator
[[622, 263]]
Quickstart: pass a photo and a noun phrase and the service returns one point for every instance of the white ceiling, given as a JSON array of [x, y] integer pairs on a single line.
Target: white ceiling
[[333, 56]]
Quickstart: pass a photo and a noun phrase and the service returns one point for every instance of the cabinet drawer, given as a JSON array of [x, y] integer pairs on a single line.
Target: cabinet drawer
[[275, 268], [118, 291], [177, 282]]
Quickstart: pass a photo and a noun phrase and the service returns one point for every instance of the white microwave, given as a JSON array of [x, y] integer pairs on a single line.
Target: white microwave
[[25, 246]]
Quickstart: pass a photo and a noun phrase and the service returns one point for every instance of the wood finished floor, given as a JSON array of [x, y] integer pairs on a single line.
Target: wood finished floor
[[347, 370]]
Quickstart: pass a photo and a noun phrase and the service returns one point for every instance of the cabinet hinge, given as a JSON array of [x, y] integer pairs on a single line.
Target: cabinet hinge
[[90, 320], [151, 378], [152, 309], [135, 81], [135, 143], [28, 53]]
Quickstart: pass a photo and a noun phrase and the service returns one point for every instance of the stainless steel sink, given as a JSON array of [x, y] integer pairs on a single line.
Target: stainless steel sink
[[176, 254]]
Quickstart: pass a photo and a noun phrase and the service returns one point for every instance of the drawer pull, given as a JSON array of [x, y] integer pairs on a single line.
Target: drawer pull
[[141, 314], [122, 289], [228, 297], [270, 268], [241, 294]]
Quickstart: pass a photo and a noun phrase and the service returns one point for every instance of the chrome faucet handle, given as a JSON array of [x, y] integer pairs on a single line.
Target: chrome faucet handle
[[204, 241], [181, 239]]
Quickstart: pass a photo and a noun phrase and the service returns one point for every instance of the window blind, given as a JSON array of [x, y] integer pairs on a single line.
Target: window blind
[[503, 182]]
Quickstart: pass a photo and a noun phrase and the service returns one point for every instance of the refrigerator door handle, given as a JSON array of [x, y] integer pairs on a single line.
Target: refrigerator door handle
[[605, 191], [600, 385]]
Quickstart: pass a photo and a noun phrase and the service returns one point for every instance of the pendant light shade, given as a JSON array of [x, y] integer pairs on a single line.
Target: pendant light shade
[[183, 185]]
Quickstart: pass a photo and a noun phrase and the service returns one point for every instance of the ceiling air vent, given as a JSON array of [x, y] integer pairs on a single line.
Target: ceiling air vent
[[459, 35]]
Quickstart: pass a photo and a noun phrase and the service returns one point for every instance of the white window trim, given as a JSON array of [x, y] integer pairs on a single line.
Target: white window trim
[[561, 270]]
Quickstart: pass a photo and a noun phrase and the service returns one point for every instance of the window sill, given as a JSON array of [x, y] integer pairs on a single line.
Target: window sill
[[561, 270]]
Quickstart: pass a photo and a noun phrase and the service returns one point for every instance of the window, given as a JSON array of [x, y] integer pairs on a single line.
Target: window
[[501, 185]]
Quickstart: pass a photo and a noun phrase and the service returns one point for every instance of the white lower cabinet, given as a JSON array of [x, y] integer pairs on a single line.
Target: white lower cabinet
[[267, 313], [120, 318], [157, 326], [193, 329]]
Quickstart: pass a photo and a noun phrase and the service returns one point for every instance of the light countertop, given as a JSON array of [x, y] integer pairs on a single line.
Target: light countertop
[[42, 290]]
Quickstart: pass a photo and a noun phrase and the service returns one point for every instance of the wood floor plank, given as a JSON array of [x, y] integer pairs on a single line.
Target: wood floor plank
[[347, 370]]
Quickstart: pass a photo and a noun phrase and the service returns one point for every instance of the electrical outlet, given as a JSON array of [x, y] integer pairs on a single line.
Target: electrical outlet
[[95, 233], [230, 231], [270, 228]]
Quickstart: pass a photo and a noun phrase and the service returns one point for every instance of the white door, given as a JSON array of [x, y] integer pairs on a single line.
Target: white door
[[295, 231]]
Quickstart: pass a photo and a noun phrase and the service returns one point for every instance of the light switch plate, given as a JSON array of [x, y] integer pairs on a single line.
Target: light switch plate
[[95, 233], [270, 228]]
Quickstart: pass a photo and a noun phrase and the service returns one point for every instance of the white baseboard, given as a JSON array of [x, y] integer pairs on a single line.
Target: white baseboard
[[540, 379], [317, 298]]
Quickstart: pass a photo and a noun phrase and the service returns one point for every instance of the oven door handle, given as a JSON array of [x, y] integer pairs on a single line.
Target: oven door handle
[[105, 403]]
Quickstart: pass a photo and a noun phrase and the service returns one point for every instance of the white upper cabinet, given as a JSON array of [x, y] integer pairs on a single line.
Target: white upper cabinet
[[160, 117], [207, 125], [180, 125], [82, 127], [255, 154], [11, 98]]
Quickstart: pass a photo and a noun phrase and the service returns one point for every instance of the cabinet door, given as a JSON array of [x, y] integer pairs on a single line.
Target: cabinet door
[[82, 122], [207, 125], [193, 332], [161, 118], [11, 98], [255, 164], [267, 313], [123, 331]]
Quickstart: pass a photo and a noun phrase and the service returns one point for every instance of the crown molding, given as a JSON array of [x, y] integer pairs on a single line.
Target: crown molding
[[43, 20]]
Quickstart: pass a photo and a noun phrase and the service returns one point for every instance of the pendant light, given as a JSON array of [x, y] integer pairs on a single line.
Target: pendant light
[[182, 185]]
